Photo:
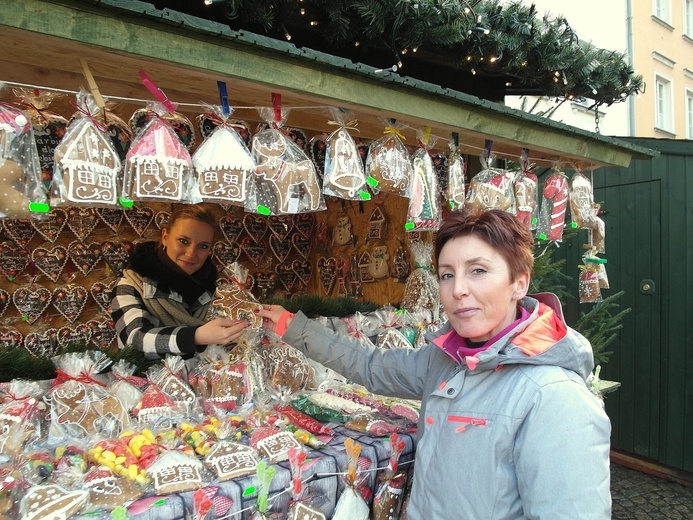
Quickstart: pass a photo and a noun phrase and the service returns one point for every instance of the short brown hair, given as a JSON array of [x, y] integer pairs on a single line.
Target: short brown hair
[[499, 229], [201, 212]]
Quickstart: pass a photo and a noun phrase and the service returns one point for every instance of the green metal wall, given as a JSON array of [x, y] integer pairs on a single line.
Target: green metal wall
[[649, 236]]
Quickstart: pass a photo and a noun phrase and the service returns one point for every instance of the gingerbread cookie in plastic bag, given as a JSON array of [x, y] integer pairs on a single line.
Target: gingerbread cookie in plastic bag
[[87, 166], [424, 212], [285, 180], [344, 172], [526, 188], [388, 164], [491, 188], [457, 169], [20, 170], [553, 206]]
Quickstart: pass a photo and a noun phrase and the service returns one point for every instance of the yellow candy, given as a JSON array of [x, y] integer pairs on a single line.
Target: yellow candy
[[141, 480], [136, 451], [127, 433], [133, 472], [108, 455], [119, 460], [186, 427], [149, 435]]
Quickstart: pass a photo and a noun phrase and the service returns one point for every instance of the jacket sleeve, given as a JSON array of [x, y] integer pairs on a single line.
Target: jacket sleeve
[[138, 327], [561, 454], [390, 372]]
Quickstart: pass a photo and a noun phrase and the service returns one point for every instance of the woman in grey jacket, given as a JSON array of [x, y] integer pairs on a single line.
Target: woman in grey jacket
[[161, 301], [508, 427]]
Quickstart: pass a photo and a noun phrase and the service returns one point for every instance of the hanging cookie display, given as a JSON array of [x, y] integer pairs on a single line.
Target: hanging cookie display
[[378, 267], [317, 149], [491, 188], [280, 225], [117, 129], [181, 125], [388, 163], [69, 300], [286, 275], [457, 169], [116, 253], [103, 332], [84, 255], [526, 189], [424, 198], [158, 166], [50, 261], [302, 245], [4, 301], [112, 217], [223, 165], [304, 223], [51, 224], [255, 226], [231, 227], [327, 272], [303, 269], [584, 210], [87, 166], [377, 223], [20, 169], [161, 219], [254, 251], [285, 179], [42, 344], [344, 174], [226, 253], [401, 266], [209, 121], [102, 292], [10, 338], [79, 334], [280, 248]]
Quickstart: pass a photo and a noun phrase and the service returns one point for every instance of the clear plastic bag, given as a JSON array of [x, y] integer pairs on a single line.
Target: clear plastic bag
[[344, 173], [491, 188], [526, 189], [223, 165], [457, 170], [285, 180], [554, 203], [388, 163], [424, 212]]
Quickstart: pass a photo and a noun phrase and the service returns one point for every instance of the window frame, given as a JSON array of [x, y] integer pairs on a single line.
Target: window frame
[[664, 120]]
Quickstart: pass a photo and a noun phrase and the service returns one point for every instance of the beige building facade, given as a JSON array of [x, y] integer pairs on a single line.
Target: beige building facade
[[657, 36]]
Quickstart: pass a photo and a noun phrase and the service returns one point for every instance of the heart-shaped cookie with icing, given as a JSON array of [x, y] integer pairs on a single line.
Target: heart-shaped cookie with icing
[[303, 270], [4, 301], [50, 261], [254, 251], [10, 338], [51, 224], [226, 253], [280, 225], [84, 255], [31, 302], [77, 335], [82, 221], [102, 292], [161, 219], [102, 332], [286, 276], [139, 218], [42, 344], [112, 217], [304, 223], [231, 227], [19, 230], [116, 253], [13, 259], [327, 271], [69, 300], [280, 247], [255, 226], [302, 244]]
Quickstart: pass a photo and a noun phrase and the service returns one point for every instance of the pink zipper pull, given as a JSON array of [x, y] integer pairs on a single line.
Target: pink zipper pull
[[470, 421]]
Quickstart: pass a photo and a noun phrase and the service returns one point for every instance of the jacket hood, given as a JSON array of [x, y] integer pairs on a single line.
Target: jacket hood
[[542, 339]]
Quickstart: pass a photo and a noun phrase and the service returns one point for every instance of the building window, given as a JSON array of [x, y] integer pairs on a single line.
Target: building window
[[662, 10], [664, 119], [689, 114], [688, 18]]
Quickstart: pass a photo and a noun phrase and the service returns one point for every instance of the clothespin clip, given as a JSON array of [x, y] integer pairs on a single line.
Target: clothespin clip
[[224, 98], [156, 91], [93, 87], [277, 104], [487, 149]]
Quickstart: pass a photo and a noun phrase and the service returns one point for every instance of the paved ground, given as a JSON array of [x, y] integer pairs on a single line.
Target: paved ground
[[637, 495]]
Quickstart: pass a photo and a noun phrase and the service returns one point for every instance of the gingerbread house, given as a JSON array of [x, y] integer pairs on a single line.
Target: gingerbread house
[[230, 460], [87, 166], [158, 166], [223, 165]]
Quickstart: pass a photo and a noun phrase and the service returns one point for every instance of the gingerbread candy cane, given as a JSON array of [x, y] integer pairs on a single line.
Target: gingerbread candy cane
[[556, 193]]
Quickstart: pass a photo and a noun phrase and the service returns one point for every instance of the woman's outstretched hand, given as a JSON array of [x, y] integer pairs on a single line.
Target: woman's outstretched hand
[[271, 314], [220, 331]]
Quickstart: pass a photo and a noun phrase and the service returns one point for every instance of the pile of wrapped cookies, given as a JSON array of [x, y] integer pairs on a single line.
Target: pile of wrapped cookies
[[99, 441]]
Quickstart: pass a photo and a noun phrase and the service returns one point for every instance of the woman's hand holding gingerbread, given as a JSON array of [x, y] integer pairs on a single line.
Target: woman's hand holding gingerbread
[[275, 318], [220, 331]]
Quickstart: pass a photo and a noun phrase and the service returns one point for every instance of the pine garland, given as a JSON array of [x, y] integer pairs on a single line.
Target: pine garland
[[490, 38]]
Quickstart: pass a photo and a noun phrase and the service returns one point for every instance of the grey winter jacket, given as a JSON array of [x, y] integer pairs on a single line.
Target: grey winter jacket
[[517, 436]]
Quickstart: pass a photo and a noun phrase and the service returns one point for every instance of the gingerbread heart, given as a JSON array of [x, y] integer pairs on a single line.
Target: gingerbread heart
[[139, 218], [78, 335], [10, 338], [302, 244], [304, 223], [19, 230], [286, 276], [102, 332], [42, 344], [327, 271], [81, 221], [255, 226], [13, 259], [69, 300], [231, 227], [50, 262], [280, 247], [264, 283], [303, 270], [280, 225], [4, 301], [51, 224], [84, 256], [102, 292], [253, 250], [112, 217], [226, 253], [161, 219], [31, 302], [116, 253], [317, 148]]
